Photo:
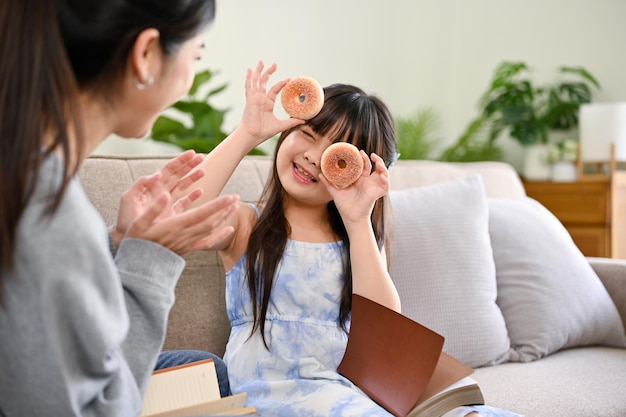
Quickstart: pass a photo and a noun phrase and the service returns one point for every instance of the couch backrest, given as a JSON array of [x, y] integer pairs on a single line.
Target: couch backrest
[[198, 319]]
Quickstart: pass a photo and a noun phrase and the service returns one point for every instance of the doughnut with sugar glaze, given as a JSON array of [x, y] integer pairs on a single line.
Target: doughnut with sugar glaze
[[302, 98], [341, 164]]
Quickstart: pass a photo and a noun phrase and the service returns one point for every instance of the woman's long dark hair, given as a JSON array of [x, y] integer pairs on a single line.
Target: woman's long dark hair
[[50, 51], [348, 114]]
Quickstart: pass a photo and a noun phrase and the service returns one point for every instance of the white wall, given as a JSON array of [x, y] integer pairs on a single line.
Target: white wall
[[415, 53]]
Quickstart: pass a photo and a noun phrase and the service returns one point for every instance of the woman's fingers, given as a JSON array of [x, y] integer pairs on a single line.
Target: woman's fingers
[[195, 229], [197, 221], [178, 168], [183, 184], [209, 242], [148, 217], [202, 231], [182, 203], [145, 182]]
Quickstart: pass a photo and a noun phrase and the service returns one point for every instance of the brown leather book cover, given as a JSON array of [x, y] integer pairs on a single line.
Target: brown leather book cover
[[389, 356]]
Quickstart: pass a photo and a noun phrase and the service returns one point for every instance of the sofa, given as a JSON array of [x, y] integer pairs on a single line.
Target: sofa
[[473, 258]]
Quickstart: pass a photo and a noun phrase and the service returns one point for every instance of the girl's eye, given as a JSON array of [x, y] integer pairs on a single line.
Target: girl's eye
[[308, 135], [305, 135]]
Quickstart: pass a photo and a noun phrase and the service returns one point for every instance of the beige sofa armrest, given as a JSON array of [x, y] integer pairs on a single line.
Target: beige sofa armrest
[[612, 273]]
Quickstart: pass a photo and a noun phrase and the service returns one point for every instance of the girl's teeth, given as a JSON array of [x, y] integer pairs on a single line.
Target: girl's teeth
[[304, 173]]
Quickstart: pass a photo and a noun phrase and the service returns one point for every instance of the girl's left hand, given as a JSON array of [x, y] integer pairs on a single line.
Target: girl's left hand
[[356, 202], [258, 119]]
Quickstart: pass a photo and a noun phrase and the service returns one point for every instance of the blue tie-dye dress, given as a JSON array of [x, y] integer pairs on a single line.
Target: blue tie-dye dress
[[298, 376]]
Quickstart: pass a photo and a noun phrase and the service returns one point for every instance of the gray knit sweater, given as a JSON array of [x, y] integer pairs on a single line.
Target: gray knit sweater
[[80, 327]]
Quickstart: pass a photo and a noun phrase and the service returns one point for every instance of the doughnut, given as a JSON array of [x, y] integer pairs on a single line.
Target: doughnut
[[341, 164], [302, 98]]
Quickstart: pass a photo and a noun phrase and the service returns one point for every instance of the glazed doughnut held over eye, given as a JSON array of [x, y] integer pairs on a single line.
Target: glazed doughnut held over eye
[[302, 98], [341, 164]]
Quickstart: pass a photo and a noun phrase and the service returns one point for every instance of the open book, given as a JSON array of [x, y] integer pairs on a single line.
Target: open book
[[400, 364], [189, 390]]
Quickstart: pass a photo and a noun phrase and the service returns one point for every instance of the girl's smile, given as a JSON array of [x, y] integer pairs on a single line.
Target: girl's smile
[[303, 175]]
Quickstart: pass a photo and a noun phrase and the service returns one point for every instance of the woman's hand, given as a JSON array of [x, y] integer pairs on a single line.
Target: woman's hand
[[258, 120], [356, 202], [172, 179], [195, 229]]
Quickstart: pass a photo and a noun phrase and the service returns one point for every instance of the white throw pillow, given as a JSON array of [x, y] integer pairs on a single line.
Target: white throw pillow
[[549, 295], [442, 264]]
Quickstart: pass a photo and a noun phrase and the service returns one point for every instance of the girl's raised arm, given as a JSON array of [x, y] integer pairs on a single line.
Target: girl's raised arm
[[258, 124]]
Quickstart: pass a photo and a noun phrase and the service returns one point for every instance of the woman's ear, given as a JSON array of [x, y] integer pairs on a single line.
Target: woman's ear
[[145, 57]]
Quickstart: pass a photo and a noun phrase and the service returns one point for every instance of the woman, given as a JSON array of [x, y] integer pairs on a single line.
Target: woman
[[84, 309]]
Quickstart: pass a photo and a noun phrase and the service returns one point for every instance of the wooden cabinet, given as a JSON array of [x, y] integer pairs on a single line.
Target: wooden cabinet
[[584, 207], [618, 216]]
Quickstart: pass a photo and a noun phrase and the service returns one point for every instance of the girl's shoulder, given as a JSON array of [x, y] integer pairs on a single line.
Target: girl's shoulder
[[247, 216], [254, 207]]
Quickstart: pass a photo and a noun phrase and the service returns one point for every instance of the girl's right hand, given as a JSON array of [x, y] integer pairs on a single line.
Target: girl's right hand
[[356, 202], [258, 120]]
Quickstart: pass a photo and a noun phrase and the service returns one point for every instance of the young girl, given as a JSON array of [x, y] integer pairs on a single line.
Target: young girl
[[298, 255]]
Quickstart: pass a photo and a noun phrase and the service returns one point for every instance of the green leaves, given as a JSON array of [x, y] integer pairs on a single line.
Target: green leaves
[[476, 144], [416, 134], [201, 126], [581, 72], [530, 112]]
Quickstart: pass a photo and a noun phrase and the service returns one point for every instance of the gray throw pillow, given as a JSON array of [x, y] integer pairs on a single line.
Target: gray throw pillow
[[549, 295], [442, 265]]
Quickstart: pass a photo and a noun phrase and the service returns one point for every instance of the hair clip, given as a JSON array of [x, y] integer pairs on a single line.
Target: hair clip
[[393, 160]]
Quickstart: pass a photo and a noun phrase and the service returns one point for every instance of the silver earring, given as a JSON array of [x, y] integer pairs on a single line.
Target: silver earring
[[143, 85]]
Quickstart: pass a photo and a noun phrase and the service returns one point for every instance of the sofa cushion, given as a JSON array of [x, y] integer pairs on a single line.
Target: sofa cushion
[[548, 293], [581, 382], [442, 265]]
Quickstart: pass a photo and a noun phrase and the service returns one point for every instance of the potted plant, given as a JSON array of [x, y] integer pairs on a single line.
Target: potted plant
[[529, 112], [200, 124], [562, 156]]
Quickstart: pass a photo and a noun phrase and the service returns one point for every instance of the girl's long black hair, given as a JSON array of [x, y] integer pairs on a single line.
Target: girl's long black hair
[[348, 114]]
